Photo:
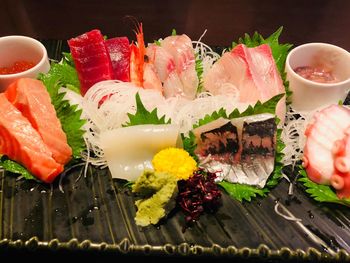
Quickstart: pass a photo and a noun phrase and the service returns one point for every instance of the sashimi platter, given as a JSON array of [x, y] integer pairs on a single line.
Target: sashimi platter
[[179, 124]]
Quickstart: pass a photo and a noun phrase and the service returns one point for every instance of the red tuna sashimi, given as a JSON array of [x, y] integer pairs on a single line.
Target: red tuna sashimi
[[23, 144], [119, 52], [91, 59], [31, 98], [250, 71]]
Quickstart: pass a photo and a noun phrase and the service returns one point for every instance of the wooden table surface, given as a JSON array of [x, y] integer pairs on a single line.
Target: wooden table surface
[[225, 20]]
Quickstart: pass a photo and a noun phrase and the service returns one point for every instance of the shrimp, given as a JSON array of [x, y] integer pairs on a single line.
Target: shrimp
[[137, 58]]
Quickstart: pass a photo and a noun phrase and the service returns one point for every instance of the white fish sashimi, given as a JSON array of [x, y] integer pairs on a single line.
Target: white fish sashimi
[[252, 71], [129, 150]]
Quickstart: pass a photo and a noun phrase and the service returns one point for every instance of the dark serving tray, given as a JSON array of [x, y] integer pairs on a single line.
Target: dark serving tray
[[97, 213]]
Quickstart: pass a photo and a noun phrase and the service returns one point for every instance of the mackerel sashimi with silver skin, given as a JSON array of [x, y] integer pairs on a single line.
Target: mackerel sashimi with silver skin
[[240, 150]]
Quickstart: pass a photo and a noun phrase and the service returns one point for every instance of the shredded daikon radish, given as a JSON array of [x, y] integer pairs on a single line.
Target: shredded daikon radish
[[118, 99], [289, 215], [293, 135], [290, 189], [205, 53]]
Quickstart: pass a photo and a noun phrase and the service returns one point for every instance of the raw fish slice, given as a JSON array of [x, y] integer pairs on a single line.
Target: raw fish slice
[[90, 46], [150, 78], [173, 86], [23, 144], [163, 61], [180, 47], [119, 52], [130, 150], [326, 127], [241, 150], [31, 98], [251, 71], [165, 69]]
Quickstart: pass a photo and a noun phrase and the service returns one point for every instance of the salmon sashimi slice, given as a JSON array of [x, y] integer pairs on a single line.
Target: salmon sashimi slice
[[31, 98], [252, 72], [89, 52], [23, 144]]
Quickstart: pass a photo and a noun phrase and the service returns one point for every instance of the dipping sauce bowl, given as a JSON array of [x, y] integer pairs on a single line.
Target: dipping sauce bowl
[[22, 48], [308, 94]]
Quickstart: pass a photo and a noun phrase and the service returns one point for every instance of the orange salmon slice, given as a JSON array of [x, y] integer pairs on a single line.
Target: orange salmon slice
[[31, 98], [23, 144]]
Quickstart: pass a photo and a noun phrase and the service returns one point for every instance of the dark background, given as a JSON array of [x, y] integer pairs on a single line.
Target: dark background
[[226, 20]]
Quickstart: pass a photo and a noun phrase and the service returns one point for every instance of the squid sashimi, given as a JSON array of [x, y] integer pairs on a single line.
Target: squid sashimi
[[31, 98], [119, 52], [129, 150], [327, 127], [91, 59], [250, 71], [240, 150], [23, 144]]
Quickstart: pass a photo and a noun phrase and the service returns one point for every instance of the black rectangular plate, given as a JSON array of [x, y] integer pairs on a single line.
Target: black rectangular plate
[[97, 213]]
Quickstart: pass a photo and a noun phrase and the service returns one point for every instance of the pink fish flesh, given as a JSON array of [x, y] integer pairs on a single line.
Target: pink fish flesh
[[250, 71]]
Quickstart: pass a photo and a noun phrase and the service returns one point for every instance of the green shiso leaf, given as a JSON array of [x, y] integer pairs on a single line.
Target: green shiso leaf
[[242, 192], [14, 167], [199, 71], [319, 192], [143, 116], [70, 117], [279, 52]]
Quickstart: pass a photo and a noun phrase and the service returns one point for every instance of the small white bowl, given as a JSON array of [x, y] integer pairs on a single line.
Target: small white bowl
[[309, 95], [19, 48]]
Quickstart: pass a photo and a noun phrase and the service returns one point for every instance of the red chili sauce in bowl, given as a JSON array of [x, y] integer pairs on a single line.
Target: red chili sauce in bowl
[[316, 74]]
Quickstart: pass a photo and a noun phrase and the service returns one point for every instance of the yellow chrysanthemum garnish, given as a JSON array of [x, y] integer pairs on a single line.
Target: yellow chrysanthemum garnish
[[175, 161]]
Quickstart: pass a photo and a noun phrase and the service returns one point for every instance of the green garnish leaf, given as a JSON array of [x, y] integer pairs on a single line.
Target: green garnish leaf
[[143, 116], [221, 113], [319, 192], [266, 107], [279, 53], [65, 75], [173, 32], [157, 42], [68, 59], [242, 192], [199, 71], [14, 167], [189, 144]]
